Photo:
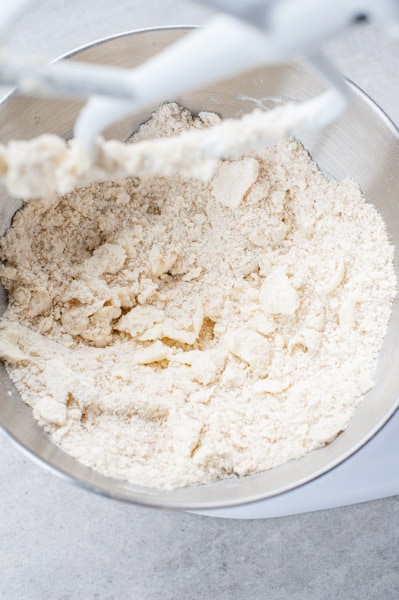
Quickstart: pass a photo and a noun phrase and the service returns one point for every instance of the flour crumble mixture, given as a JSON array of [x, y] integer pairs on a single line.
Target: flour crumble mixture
[[172, 332]]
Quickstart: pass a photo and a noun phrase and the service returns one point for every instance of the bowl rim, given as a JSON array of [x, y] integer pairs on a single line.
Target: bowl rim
[[123, 494]]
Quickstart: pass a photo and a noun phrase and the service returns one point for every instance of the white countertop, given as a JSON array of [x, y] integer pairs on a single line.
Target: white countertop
[[61, 543]]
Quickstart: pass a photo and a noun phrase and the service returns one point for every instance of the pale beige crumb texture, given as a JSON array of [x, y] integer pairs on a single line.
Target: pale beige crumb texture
[[172, 332]]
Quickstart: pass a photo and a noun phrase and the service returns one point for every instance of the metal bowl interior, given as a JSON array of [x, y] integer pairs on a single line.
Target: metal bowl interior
[[362, 144]]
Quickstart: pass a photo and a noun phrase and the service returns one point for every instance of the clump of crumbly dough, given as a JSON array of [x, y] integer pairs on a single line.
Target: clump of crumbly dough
[[172, 332]]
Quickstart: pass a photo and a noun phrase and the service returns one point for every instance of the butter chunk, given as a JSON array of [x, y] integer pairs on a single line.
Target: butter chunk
[[233, 180], [334, 279], [203, 366], [248, 345], [10, 352], [154, 353], [185, 433], [139, 319], [277, 295], [159, 262], [51, 411], [10, 340], [108, 258], [172, 329]]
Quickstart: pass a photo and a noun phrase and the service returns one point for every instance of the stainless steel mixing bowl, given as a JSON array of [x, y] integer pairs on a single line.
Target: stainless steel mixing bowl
[[363, 144]]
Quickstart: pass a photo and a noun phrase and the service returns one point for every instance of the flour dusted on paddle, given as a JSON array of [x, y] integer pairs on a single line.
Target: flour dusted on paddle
[[48, 164], [172, 332]]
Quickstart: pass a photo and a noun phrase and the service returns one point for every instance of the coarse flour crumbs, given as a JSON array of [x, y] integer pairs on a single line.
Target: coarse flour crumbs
[[172, 332]]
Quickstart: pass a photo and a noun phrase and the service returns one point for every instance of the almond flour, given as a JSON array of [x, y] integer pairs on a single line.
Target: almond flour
[[173, 332]]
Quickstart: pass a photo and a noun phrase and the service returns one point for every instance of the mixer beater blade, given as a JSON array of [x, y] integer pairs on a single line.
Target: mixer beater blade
[[255, 33]]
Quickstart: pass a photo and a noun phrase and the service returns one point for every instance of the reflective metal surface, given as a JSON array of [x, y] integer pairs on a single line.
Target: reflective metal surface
[[363, 144]]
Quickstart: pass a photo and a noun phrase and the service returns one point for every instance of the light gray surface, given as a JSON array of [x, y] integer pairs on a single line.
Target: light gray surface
[[62, 543], [58, 542]]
